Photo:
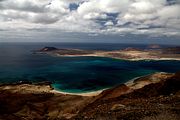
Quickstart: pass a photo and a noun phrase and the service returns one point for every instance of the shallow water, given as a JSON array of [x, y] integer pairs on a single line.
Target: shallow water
[[73, 74]]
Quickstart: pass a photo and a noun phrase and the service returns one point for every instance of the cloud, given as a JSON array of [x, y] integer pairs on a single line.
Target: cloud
[[109, 23], [93, 17]]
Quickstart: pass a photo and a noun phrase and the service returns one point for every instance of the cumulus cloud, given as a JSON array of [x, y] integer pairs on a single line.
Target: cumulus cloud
[[151, 17]]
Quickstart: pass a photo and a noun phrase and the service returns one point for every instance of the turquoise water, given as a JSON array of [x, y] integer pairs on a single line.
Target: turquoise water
[[73, 74]]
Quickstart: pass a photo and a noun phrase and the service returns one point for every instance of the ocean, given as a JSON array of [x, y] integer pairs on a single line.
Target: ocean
[[74, 74]]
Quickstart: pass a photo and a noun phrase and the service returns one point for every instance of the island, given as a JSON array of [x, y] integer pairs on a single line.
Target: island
[[152, 53], [154, 96]]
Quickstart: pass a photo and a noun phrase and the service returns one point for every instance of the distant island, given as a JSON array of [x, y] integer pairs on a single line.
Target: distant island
[[153, 52]]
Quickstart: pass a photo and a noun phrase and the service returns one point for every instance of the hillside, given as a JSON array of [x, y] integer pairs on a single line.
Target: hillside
[[155, 101], [151, 97]]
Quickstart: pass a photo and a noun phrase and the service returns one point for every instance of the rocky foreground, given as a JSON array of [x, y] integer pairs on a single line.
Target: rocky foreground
[[152, 97], [155, 101], [151, 53]]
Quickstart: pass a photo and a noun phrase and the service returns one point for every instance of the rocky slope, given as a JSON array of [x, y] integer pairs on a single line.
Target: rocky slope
[[151, 97], [155, 101], [37, 102]]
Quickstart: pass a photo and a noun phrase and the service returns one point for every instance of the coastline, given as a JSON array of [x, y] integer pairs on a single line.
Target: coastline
[[130, 54], [87, 94], [43, 87], [135, 59], [46, 87], [41, 100], [130, 83], [137, 82]]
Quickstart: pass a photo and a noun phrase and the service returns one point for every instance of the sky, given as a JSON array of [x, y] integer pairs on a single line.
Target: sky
[[110, 21]]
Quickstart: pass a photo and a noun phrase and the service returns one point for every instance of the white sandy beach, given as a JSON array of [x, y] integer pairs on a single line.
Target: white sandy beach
[[94, 93]]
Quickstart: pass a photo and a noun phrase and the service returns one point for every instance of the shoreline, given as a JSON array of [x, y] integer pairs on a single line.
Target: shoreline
[[133, 59], [130, 54], [34, 101], [47, 87], [129, 83], [87, 94]]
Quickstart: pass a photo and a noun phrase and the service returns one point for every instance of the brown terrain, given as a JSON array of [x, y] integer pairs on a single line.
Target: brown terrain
[[29, 102], [153, 52], [155, 101], [152, 97]]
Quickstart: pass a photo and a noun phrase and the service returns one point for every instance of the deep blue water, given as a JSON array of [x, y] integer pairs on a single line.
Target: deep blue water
[[74, 74]]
